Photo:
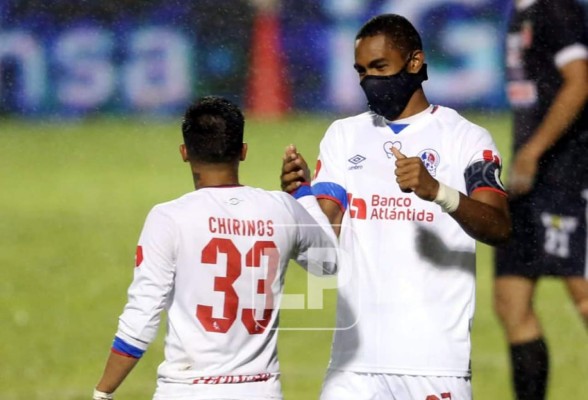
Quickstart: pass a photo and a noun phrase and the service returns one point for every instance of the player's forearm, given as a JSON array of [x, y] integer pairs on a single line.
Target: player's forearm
[[116, 370], [565, 108], [483, 222]]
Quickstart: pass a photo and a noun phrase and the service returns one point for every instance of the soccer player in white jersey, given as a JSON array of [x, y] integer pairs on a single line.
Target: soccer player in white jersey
[[408, 187], [215, 260]]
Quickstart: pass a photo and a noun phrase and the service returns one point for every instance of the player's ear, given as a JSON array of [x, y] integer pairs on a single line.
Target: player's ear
[[243, 152], [184, 152], [417, 59]]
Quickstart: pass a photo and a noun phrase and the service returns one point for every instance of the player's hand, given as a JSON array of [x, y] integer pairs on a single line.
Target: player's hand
[[522, 173], [412, 176], [294, 170]]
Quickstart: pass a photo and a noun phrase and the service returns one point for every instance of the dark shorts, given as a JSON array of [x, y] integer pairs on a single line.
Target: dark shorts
[[549, 226]]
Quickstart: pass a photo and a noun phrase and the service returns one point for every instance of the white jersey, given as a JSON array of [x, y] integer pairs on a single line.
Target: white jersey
[[406, 269], [215, 260]]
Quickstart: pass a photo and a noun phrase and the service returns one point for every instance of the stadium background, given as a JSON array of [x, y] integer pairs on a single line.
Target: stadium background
[[90, 97]]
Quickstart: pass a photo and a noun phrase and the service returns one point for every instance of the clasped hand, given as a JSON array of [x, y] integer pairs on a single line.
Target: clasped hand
[[294, 170]]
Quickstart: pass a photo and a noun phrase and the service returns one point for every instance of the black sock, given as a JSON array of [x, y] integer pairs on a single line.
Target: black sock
[[530, 366]]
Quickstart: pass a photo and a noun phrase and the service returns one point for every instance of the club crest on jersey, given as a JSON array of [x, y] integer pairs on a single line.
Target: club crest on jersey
[[430, 159], [388, 148]]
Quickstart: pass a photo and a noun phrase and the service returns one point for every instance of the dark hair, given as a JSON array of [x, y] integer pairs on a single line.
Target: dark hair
[[213, 130], [401, 33]]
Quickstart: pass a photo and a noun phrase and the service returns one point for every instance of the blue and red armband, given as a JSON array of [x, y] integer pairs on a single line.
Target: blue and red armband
[[121, 347], [302, 190]]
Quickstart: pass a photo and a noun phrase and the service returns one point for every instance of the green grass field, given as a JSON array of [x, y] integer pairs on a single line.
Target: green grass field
[[74, 198]]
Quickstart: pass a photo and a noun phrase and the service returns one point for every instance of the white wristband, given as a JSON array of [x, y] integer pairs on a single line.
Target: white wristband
[[447, 197], [98, 395]]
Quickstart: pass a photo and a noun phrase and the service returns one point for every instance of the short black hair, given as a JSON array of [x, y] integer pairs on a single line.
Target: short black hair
[[399, 30], [213, 130]]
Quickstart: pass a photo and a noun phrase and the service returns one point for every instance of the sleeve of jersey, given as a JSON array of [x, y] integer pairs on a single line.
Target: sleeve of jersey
[[316, 249], [152, 284], [329, 177], [483, 163]]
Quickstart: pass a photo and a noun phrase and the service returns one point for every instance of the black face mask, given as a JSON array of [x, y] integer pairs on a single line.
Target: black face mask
[[388, 95]]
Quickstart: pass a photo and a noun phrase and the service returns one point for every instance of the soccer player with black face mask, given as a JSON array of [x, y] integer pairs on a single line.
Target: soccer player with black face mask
[[389, 95], [408, 187]]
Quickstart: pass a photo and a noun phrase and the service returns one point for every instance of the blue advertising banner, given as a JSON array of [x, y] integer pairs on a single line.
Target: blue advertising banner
[[136, 56], [71, 58]]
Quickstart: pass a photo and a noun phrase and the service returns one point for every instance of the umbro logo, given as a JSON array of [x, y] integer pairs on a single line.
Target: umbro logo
[[356, 160]]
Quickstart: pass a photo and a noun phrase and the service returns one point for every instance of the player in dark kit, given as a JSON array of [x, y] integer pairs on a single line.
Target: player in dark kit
[[547, 74]]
